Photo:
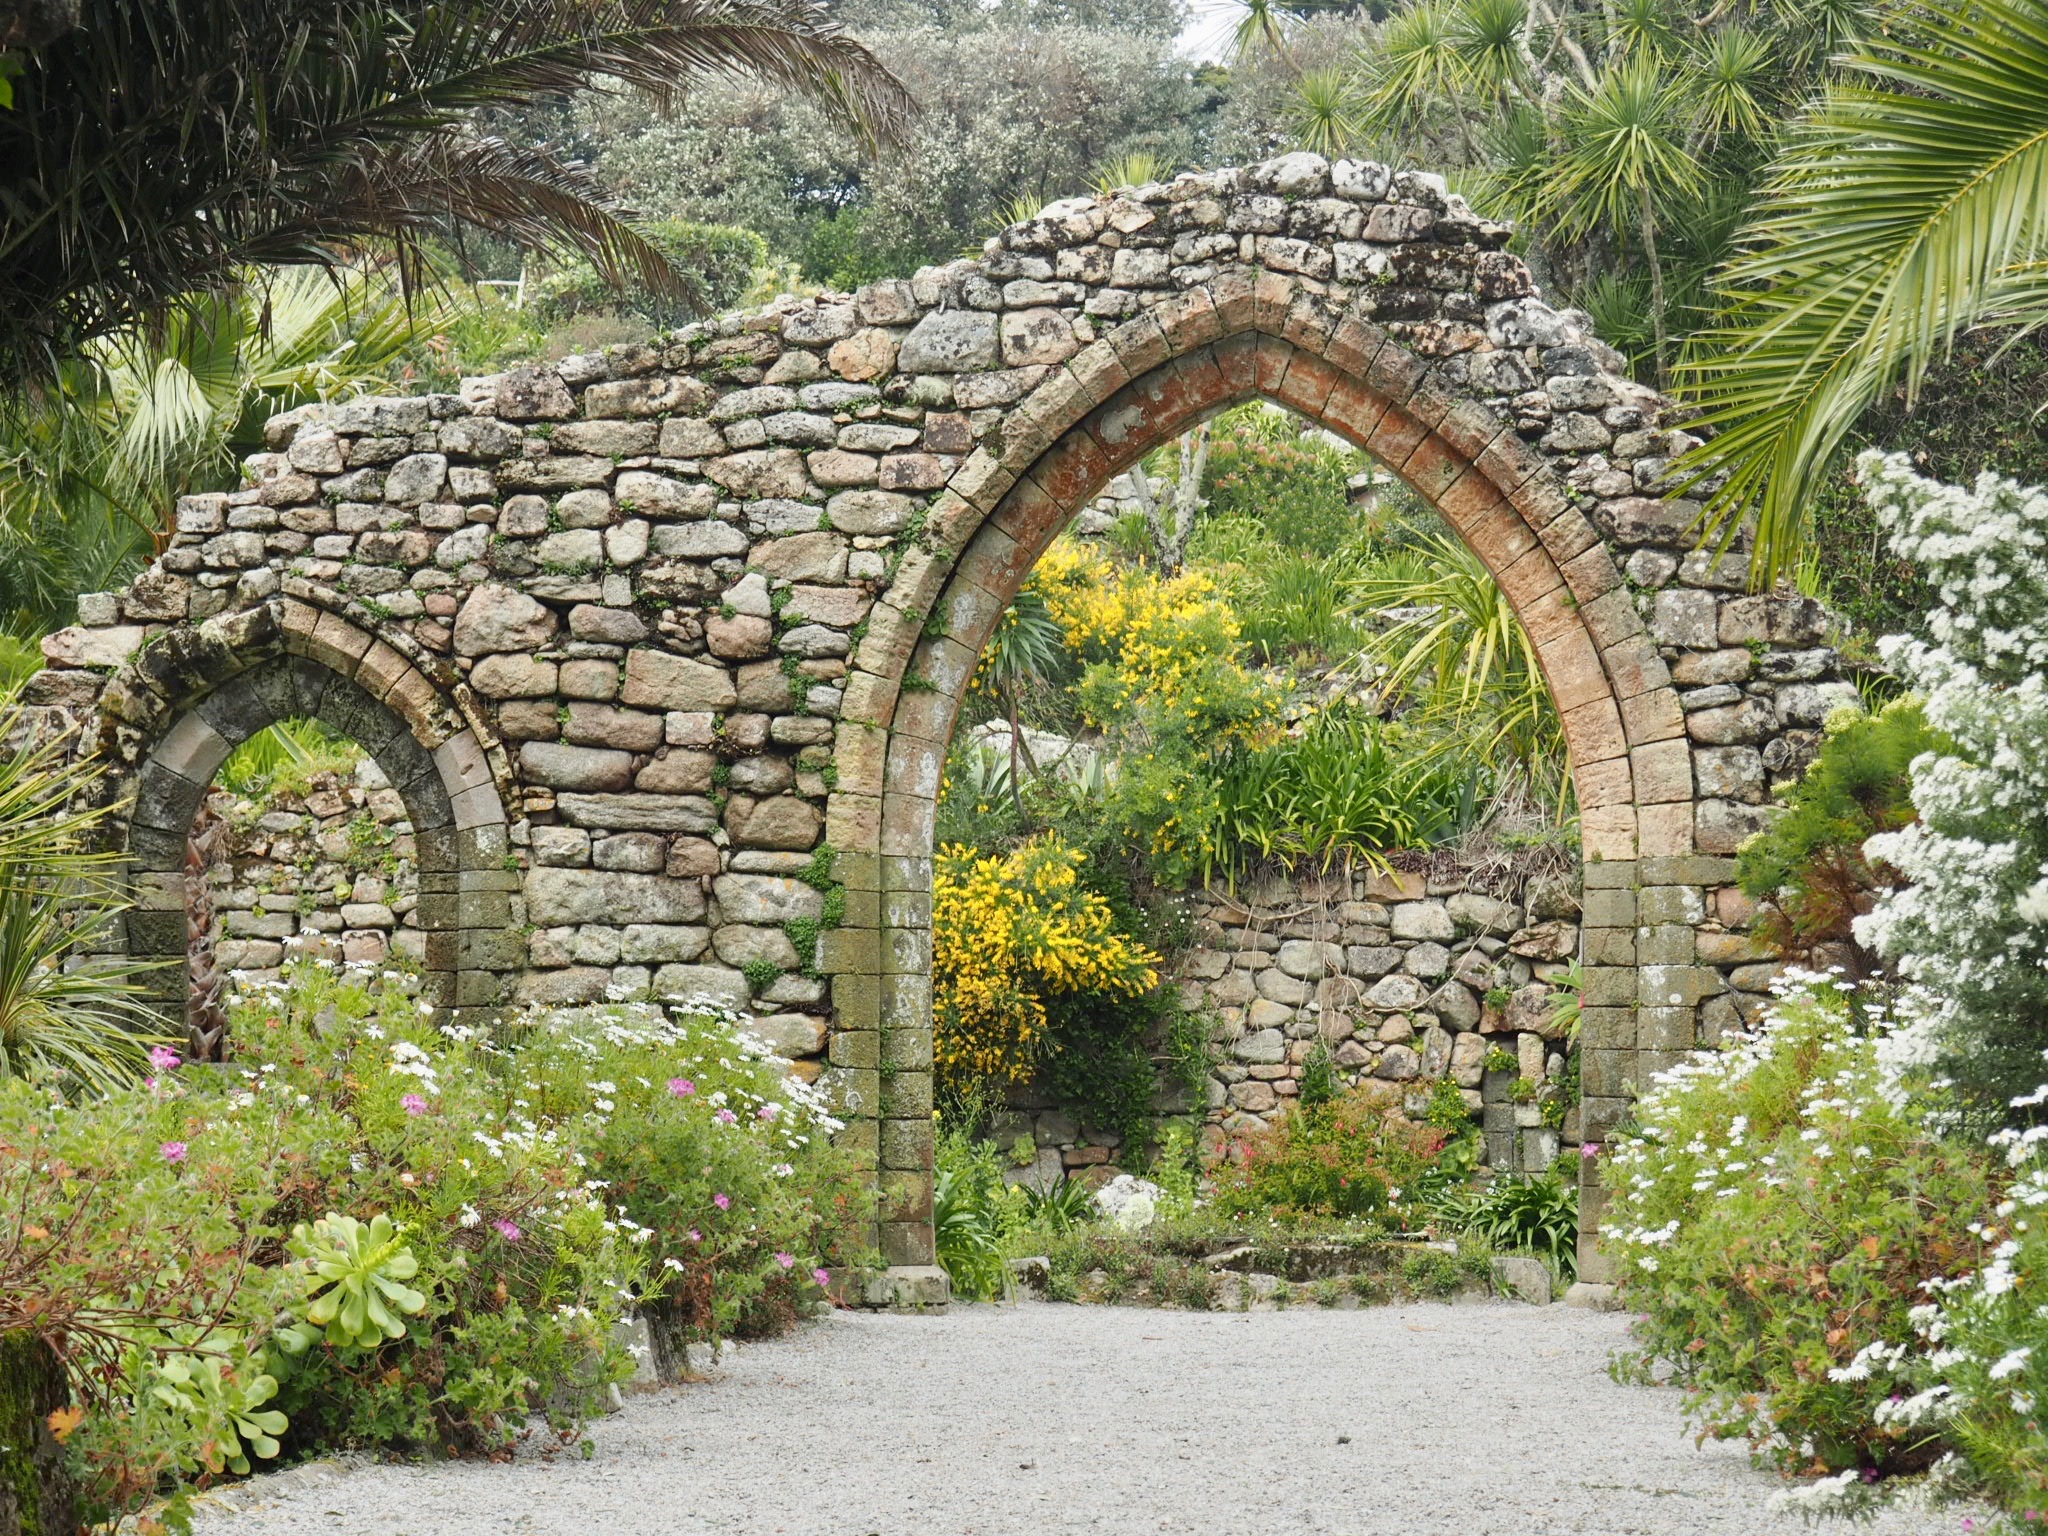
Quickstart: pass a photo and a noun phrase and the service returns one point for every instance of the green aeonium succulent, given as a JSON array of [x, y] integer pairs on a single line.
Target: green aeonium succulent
[[219, 1384], [364, 1267]]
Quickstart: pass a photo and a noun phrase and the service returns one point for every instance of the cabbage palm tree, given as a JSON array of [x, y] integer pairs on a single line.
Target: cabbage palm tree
[[161, 147], [1911, 206], [1606, 128]]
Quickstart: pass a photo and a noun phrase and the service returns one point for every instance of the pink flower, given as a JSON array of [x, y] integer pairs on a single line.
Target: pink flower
[[508, 1230], [723, 1202], [414, 1104], [822, 1276], [173, 1151], [767, 1111], [786, 1260], [1590, 1149], [681, 1087], [163, 1059], [727, 1117], [696, 1236]]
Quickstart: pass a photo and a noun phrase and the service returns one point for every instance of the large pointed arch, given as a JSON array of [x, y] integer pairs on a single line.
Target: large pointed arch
[[1145, 384]]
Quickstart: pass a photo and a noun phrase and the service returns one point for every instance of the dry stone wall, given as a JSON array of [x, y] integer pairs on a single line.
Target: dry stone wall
[[634, 636], [326, 870]]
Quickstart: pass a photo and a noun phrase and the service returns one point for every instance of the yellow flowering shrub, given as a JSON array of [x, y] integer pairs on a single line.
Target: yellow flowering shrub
[[1008, 933], [1164, 647]]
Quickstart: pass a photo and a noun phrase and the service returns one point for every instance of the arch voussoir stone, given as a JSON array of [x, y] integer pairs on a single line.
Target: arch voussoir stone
[[655, 627]]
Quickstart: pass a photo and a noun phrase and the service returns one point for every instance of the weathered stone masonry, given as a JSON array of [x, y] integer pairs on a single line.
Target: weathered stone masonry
[[633, 635]]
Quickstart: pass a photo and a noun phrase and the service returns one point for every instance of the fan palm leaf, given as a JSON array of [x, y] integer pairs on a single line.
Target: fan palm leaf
[[1911, 205], [162, 146]]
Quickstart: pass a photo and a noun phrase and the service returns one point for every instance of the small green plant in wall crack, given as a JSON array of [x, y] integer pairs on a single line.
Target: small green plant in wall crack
[[364, 1267]]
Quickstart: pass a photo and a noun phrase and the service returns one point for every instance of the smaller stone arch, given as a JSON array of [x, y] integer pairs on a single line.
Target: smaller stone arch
[[206, 693]]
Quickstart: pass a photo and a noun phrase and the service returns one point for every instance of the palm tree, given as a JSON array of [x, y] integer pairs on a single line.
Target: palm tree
[[162, 147], [1605, 128], [1027, 650], [1911, 206], [92, 467]]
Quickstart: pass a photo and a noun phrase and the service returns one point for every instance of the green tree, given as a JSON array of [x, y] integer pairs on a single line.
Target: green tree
[[161, 147], [1625, 135], [1911, 206], [1007, 113]]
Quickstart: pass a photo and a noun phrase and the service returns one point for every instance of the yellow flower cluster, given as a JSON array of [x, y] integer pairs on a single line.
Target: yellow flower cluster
[[1158, 636], [1007, 933]]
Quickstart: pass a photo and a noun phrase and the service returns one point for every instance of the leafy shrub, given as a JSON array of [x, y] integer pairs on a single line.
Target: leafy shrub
[[391, 1233], [1807, 870], [1773, 1221], [1098, 1060], [1067, 1204], [969, 1216], [1344, 789], [1008, 933], [1982, 1365], [1358, 1156], [1270, 467]]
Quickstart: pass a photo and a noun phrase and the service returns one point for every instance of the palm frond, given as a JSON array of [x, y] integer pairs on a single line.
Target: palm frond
[[163, 146], [1911, 205], [1458, 653], [1620, 141]]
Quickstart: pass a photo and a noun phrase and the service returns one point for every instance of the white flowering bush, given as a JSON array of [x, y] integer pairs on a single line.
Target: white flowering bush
[[1773, 1219], [1980, 1376], [1973, 923]]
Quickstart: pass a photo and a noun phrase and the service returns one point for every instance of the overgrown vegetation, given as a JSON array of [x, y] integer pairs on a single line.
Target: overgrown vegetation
[[380, 1229]]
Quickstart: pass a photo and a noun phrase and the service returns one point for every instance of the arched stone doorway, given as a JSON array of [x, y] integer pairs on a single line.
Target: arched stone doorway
[[1622, 718], [700, 613], [205, 695]]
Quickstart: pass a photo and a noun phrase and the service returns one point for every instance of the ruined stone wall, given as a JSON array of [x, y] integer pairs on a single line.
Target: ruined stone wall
[[327, 870], [634, 636]]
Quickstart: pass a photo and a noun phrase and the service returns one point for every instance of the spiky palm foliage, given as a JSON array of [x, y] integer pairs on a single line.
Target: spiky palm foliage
[[1611, 130], [77, 1018], [91, 470], [1137, 168], [1026, 652], [163, 146], [1325, 120], [1624, 153], [1459, 657], [1911, 206]]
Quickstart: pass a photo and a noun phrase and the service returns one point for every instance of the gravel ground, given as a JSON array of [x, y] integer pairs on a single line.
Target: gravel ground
[[1039, 1420]]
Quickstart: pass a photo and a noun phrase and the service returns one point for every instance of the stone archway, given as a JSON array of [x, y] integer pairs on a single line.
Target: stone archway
[[699, 613], [1622, 717], [204, 693]]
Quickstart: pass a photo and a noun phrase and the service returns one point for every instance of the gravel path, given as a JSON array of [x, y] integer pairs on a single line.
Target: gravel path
[[1041, 1420]]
